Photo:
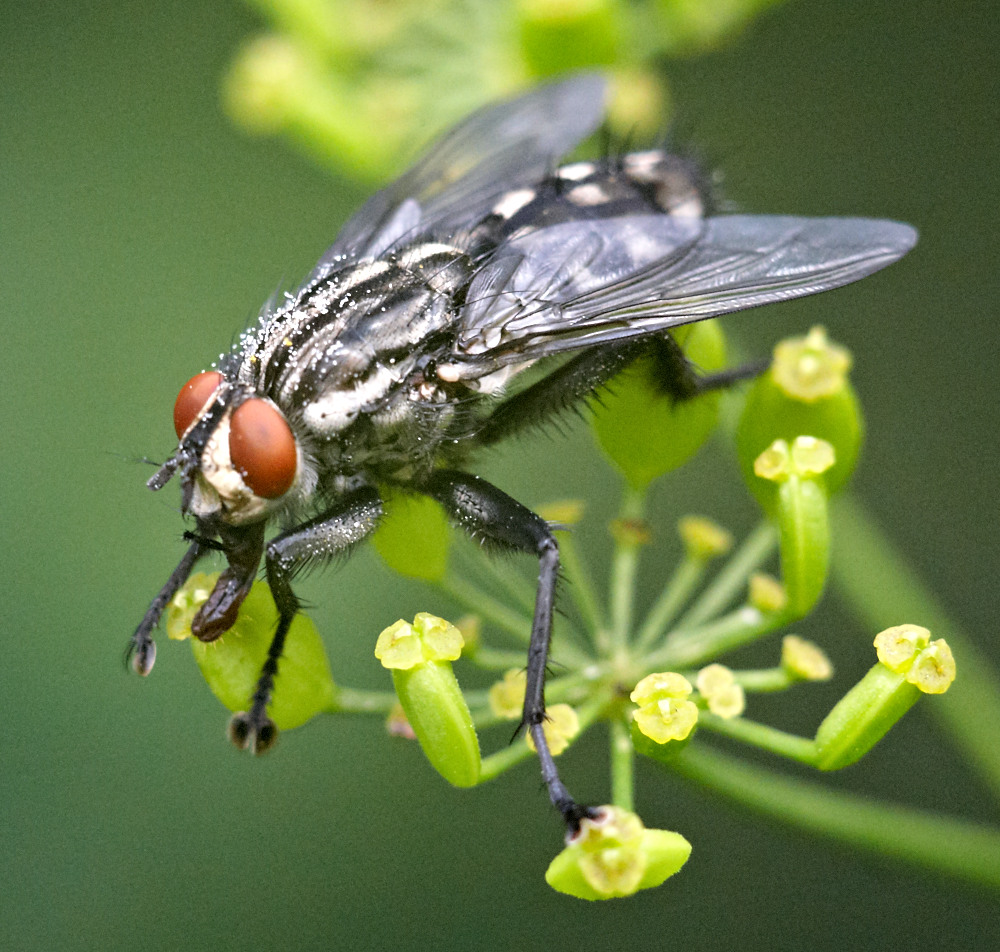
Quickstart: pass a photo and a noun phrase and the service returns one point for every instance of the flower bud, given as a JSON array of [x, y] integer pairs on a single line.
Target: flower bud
[[561, 725], [803, 660], [420, 656], [469, 628], [645, 431], [664, 713], [767, 594], [182, 608], [506, 697], [639, 101], [908, 650], [800, 508], [630, 533], [303, 686], [614, 855], [703, 539], [805, 392], [396, 724], [564, 513], [717, 685], [413, 539], [909, 663]]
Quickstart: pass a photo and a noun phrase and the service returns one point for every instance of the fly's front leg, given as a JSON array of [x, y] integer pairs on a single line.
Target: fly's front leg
[[141, 649], [243, 547], [330, 534], [488, 514]]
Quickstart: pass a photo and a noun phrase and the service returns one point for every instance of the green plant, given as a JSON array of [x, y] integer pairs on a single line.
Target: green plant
[[656, 678]]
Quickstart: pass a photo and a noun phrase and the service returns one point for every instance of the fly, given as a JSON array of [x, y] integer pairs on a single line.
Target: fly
[[400, 355]]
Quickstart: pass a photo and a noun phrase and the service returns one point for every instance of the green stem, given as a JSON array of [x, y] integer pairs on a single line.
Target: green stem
[[501, 573], [959, 848], [352, 701], [767, 738], [582, 588], [622, 766], [476, 600], [623, 568], [695, 646], [506, 618], [500, 762], [678, 590], [884, 590], [491, 659], [732, 578], [764, 680]]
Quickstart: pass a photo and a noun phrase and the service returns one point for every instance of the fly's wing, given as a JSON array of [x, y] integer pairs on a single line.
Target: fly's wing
[[500, 148], [589, 282]]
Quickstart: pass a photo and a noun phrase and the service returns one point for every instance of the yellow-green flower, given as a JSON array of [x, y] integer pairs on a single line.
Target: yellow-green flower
[[805, 457], [403, 646], [766, 593], [614, 855], [811, 368], [506, 697], [703, 539], [664, 713], [719, 688], [803, 660], [560, 726], [420, 656], [908, 650]]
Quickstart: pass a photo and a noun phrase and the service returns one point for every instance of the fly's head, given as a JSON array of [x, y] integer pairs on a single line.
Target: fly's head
[[238, 458]]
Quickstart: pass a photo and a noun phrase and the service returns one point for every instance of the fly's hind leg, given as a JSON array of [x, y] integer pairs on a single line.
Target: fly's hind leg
[[330, 534], [679, 379], [584, 375], [488, 514]]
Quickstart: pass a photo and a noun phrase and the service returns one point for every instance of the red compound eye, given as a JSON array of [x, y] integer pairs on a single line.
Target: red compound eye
[[193, 396], [262, 448]]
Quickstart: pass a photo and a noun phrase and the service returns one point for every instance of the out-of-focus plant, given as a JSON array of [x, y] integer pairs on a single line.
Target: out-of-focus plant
[[361, 84]]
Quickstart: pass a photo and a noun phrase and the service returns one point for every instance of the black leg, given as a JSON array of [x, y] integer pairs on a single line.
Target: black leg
[[243, 547], [726, 378], [488, 514], [141, 649], [679, 379], [586, 373], [559, 391], [330, 534]]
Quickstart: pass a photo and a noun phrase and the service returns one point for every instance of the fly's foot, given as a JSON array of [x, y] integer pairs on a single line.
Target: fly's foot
[[256, 732], [573, 812], [141, 654]]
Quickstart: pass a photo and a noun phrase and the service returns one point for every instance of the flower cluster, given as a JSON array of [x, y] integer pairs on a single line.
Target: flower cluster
[[655, 680]]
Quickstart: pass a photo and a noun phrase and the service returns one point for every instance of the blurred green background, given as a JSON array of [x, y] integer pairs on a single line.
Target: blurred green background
[[139, 231]]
